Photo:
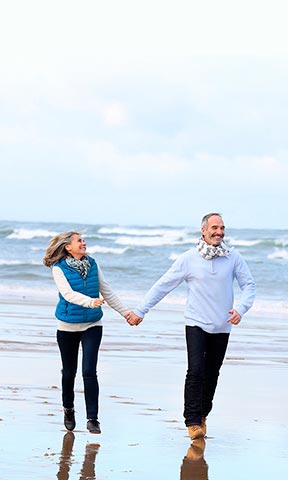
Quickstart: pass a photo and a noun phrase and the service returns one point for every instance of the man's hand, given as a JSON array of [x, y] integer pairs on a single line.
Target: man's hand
[[133, 319], [235, 317]]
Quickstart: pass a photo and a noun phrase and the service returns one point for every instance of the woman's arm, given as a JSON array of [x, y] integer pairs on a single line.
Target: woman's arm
[[109, 296], [66, 291]]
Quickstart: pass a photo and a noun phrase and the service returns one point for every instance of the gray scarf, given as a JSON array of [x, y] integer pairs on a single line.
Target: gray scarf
[[82, 266], [208, 251]]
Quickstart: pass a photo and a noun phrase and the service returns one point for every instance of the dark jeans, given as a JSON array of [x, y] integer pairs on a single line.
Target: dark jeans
[[206, 352], [69, 343]]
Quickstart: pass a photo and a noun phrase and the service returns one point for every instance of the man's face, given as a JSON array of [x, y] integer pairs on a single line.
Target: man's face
[[213, 233]]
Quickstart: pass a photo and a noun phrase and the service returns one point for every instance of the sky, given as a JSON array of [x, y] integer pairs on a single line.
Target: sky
[[144, 112]]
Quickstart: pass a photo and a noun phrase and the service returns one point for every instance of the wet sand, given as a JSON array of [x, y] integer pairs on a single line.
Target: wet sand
[[141, 375]]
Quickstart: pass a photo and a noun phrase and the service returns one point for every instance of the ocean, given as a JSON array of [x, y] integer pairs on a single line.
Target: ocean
[[134, 257]]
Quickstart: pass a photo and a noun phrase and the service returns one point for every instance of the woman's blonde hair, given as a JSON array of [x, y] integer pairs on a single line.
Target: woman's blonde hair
[[56, 249]]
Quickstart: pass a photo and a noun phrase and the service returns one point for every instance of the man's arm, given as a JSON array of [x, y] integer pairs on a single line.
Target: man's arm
[[168, 282], [247, 286]]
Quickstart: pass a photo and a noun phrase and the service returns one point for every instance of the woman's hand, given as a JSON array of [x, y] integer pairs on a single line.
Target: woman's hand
[[98, 302]]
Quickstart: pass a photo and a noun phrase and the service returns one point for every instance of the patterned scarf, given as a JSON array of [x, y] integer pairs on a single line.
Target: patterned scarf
[[208, 251], [82, 266]]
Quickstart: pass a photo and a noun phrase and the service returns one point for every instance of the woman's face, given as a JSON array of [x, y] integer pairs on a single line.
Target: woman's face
[[77, 247]]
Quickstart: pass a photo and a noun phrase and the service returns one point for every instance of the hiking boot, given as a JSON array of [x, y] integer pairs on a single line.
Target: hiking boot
[[203, 425], [69, 419], [195, 431], [93, 425]]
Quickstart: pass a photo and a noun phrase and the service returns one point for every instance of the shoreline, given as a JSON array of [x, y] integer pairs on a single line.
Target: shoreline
[[19, 295], [31, 328]]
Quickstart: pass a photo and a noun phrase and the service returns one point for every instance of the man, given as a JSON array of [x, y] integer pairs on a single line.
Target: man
[[209, 271]]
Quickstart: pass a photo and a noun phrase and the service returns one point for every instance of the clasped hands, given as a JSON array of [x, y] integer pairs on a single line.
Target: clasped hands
[[133, 319]]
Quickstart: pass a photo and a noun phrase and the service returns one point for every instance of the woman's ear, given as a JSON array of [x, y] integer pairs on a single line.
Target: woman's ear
[[68, 248]]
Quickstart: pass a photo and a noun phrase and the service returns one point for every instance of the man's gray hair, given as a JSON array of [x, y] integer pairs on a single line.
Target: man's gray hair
[[206, 218]]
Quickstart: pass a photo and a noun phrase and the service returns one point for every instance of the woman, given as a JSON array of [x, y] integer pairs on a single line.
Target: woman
[[80, 283]]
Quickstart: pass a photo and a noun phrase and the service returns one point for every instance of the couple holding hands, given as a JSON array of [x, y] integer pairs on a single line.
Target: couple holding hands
[[208, 269]]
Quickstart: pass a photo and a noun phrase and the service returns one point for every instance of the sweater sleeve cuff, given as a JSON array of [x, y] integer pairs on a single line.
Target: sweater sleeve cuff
[[241, 310], [138, 312]]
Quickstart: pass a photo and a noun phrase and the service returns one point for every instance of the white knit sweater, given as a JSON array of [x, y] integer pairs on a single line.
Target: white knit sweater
[[79, 299]]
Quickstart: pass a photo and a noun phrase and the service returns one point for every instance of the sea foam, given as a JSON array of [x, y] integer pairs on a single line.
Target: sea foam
[[108, 250], [278, 254], [25, 234]]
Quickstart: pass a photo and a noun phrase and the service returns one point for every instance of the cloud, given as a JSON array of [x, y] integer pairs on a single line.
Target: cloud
[[115, 114], [17, 135], [61, 38]]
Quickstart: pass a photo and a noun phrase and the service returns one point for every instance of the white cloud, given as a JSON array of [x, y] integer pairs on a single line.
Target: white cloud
[[17, 135], [115, 114], [244, 171], [263, 168], [63, 37]]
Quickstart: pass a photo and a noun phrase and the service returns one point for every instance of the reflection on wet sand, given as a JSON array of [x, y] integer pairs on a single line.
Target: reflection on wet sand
[[194, 466], [66, 459]]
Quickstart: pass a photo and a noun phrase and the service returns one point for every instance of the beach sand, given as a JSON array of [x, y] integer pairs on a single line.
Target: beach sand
[[141, 375]]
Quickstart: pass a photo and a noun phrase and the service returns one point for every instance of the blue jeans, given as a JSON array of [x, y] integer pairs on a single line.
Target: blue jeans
[[206, 352], [69, 343]]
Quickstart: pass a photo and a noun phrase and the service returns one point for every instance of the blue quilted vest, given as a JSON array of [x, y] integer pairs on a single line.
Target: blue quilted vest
[[70, 312]]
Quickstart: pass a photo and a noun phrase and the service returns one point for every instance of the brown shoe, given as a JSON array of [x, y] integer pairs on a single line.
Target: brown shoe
[[195, 431], [203, 425]]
